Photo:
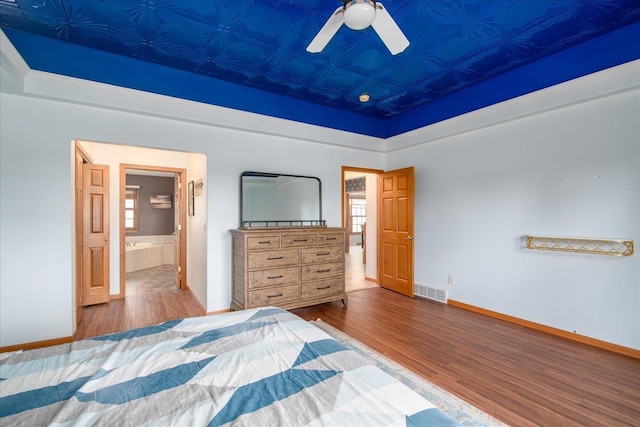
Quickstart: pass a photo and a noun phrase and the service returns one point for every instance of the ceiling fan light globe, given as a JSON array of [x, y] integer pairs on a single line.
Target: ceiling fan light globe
[[359, 14]]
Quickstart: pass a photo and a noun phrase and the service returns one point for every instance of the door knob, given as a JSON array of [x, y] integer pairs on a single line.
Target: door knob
[[408, 238]]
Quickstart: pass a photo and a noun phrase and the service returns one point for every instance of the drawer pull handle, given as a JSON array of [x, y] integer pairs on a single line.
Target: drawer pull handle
[[275, 277], [275, 295], [300, 240], [266, 242], [331, 238], [323, 271], [322, 253], [323, 287], [272, 258]]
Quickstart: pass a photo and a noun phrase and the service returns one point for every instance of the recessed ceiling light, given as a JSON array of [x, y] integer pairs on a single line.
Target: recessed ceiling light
[[364, 98]]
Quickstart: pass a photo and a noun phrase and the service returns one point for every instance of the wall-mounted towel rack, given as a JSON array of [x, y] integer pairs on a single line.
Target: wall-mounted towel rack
[[617, 247]]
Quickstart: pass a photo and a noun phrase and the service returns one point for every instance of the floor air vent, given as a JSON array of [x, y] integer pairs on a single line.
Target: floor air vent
[[432, 293]]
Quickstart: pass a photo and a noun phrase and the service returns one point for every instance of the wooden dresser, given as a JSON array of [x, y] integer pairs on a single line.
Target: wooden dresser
[[288, 267]]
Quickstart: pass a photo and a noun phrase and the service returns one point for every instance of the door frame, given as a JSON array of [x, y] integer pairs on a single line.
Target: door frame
[[183, 219], [345, 198], [80, 157]]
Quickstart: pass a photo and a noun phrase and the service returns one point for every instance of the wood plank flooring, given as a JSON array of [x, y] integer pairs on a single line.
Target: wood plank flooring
[[136, 311], [521, 376]]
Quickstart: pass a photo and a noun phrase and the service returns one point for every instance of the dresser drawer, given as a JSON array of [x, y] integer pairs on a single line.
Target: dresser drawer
[[322, 288], [274, 296], [330, 239], [298, 241], [277, 266], [322, 271], [274, 277], [270, 259], [324, 254], [263, 242]]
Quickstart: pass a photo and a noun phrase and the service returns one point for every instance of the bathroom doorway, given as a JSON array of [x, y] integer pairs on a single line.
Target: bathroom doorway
[[192, 269], [153, 221]]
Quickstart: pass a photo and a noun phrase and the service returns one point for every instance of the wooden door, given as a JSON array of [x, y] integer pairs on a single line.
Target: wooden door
[[95, 250], [395, 230], [177, 229]]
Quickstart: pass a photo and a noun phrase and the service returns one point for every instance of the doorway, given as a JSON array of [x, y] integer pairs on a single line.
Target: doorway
[[153, 229], [388, 235], [359, 218]]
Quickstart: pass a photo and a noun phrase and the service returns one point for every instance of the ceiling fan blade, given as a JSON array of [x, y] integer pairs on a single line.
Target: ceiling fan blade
[[391, 35], [327, 32]]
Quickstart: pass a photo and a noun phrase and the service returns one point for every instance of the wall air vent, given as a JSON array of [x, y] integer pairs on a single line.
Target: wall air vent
[[431, 293]]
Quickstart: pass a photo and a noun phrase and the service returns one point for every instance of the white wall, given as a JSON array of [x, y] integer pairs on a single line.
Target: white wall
[[197, 231], [36, 234], [571, 172]]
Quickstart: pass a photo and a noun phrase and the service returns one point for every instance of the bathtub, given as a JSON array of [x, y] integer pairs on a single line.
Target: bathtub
[[140, 256]]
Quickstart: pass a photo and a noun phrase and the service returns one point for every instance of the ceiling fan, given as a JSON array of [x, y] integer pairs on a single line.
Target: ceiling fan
[[358, 15]]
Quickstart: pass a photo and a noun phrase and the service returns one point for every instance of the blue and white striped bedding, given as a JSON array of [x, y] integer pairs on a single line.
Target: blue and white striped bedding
[[262, 367]]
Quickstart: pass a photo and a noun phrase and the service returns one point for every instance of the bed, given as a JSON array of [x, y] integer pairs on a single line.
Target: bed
[[260, 367]]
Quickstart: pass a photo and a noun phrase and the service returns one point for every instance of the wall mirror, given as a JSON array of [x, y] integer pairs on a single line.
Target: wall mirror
[[279, 200]]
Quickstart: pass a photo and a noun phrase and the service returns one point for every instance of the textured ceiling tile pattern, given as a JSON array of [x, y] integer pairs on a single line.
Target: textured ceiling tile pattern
[[261, 43]]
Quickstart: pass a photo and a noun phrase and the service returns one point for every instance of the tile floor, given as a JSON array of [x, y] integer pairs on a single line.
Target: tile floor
[[155, 279]]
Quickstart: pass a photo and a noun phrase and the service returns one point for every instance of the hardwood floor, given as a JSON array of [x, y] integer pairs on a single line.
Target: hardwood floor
[[147, 303], [520, 376]]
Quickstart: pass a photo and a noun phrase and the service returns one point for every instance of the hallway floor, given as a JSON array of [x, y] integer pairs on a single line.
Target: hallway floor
[[156, 279], [355, 271]]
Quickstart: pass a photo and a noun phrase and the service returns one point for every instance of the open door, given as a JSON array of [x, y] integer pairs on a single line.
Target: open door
[[81, 157], [95, 223], [395, 230]]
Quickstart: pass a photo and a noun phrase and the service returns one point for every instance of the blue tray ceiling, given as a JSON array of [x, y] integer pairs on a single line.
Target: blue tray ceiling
[[250, 54]]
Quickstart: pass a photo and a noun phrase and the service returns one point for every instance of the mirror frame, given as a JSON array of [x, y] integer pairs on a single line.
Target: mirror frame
[[280, 223]]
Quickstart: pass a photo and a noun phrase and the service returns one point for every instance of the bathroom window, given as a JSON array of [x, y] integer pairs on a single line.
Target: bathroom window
[[131, 209]]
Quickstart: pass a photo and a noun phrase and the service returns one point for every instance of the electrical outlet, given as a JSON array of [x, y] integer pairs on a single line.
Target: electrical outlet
[[451, 280]]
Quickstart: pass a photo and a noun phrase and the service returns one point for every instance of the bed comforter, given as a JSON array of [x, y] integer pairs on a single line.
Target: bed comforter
[[262, 367]]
